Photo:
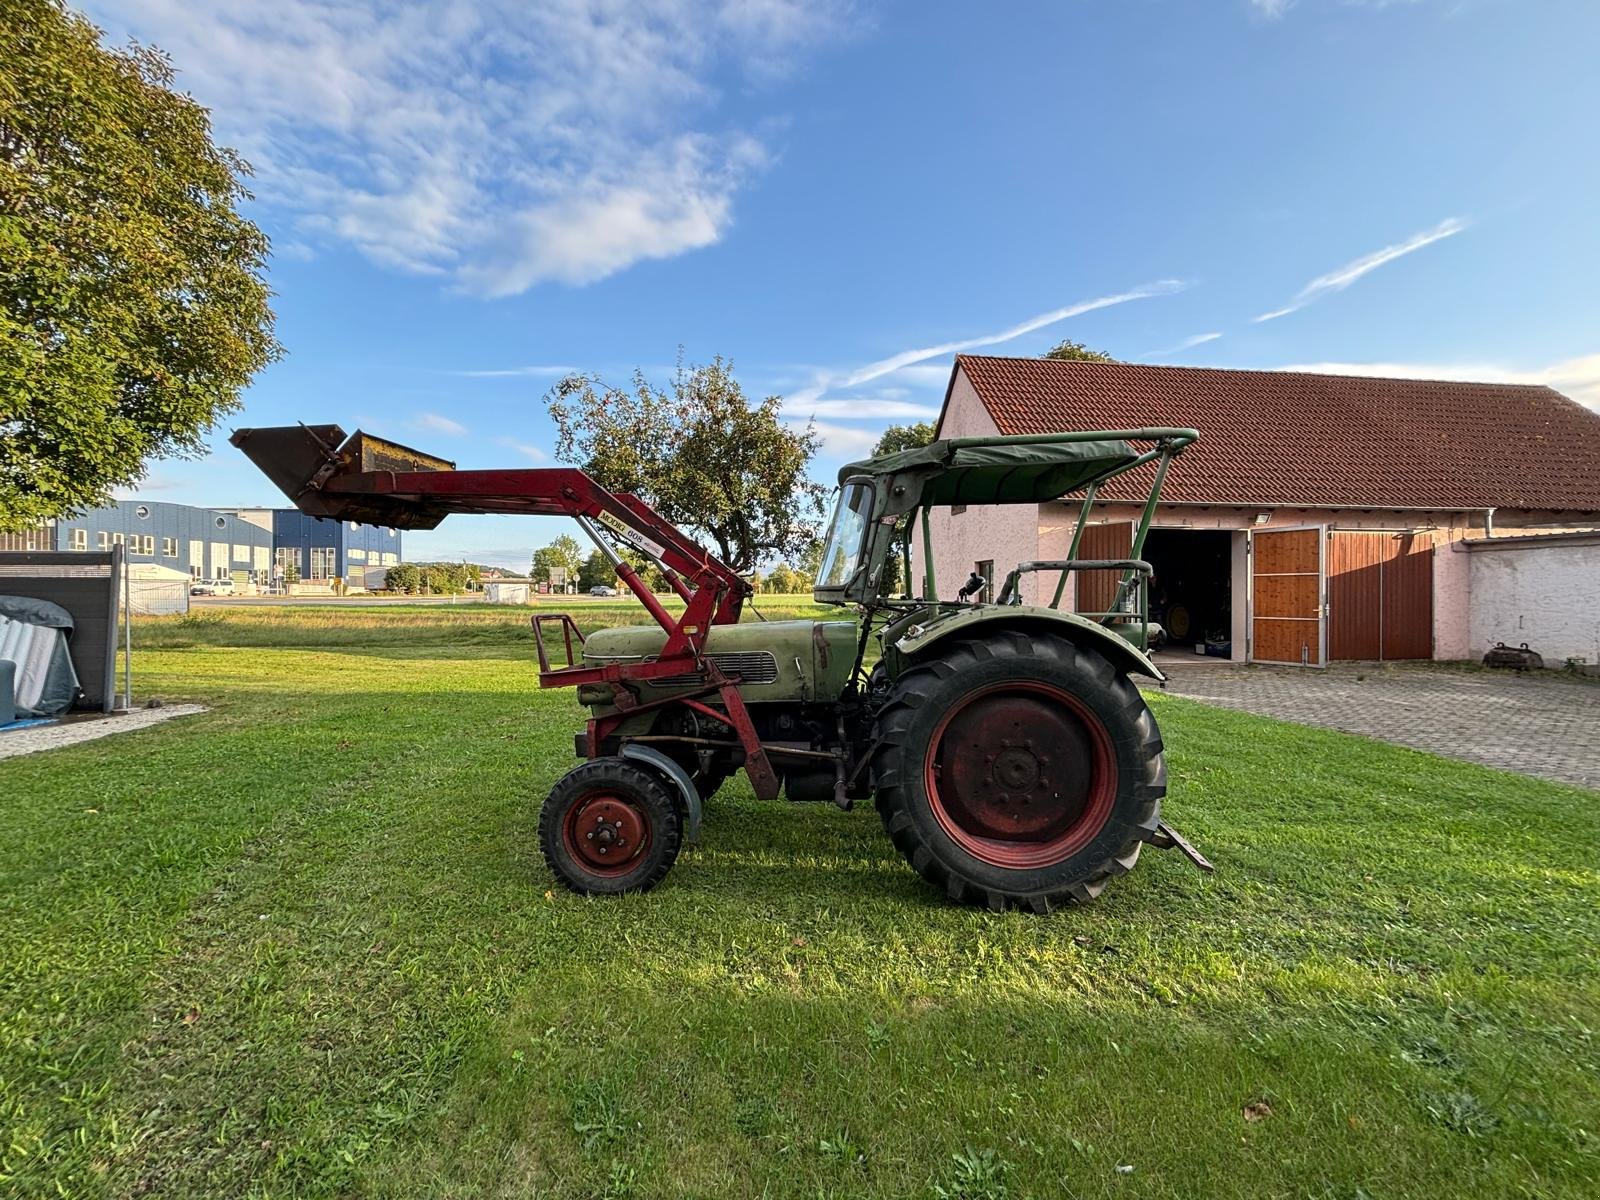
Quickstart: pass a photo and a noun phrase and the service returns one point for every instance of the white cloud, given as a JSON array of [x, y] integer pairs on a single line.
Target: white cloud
[[494, 144], [523, 448], [1272, 8], [868, 408], [898, 363], [1576, 378], [1341, 278], [842, 441], [1188, 343], [435, 423]]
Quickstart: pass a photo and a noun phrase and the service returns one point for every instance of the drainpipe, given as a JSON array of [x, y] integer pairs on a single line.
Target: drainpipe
[[1488, 522]]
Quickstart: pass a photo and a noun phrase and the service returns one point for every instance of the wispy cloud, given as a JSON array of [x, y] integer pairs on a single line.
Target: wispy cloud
[[1188, 343], [842, 441], [435, 423], [1576, 378], [534, 372], [1341, 278], [1272, 8], [496, 145], [868, 407], [827, 382], [526, 449]]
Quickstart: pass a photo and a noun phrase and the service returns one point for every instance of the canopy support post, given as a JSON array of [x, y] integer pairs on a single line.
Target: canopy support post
[[1077, 536]]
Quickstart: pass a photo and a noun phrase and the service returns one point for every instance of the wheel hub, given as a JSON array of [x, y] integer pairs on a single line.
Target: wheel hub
[[1020, 775], [605, 833]]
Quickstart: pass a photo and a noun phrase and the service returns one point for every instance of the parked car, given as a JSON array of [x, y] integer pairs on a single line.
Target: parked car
[[601, 589], [212, 587]]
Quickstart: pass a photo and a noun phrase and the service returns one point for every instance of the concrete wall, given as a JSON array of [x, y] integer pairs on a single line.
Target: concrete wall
[[1004, 533], [1545, 592]]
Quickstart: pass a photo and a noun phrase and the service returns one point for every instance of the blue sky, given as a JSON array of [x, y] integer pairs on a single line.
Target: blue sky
[[468, 198]]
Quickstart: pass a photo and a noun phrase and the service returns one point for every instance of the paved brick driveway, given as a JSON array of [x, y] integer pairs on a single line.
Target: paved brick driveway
[[1530, 724]]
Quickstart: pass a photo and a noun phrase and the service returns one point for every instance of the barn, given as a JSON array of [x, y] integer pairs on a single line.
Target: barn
[[1319, 518]]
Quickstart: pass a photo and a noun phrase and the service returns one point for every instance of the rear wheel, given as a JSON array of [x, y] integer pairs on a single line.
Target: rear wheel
[[1018, 770], [610, 826]]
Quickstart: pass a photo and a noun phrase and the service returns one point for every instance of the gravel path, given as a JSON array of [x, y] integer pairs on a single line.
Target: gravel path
[[49, 737]]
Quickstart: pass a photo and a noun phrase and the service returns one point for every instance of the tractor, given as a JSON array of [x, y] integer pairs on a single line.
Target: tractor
[[1011, 757]]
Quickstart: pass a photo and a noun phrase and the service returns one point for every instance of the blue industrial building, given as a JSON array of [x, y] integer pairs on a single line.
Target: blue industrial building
[[204, 542], [246, 545], [322, 548]]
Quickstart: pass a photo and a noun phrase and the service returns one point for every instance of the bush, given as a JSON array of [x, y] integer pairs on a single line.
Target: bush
[[404, 578]]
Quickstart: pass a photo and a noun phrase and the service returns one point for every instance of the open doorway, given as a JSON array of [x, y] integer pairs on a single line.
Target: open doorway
[[1191, 593]]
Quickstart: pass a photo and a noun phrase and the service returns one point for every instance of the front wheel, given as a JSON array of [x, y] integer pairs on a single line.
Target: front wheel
[[1018, 770], [610, 826]]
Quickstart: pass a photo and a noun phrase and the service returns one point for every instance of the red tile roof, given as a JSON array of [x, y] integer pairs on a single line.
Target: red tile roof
[[1292, 439]]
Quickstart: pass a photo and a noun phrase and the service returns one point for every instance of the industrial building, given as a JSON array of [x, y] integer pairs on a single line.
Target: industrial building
[[248, 546]]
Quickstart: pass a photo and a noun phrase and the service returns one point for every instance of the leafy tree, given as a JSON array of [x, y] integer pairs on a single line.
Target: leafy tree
[[1076, 352], [596, 570], [133, 304], [404, 578], [706, 458], [783, 580], [895, 439], [564, 552]]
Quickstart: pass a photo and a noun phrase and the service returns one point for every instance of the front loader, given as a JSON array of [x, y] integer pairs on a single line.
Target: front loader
[[1011, 757]]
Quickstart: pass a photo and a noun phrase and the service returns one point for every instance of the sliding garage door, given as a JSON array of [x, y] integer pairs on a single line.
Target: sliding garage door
[[1286, 583], [1380, 595]]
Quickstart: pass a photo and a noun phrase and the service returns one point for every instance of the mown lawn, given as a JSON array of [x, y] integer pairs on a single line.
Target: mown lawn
[[304, 945]]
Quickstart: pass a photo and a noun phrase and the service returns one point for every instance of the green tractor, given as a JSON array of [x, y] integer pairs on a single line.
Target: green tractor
[[1012, 759]]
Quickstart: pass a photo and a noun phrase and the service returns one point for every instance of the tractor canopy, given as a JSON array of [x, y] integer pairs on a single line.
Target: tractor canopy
[[994, 470], [875, 493]]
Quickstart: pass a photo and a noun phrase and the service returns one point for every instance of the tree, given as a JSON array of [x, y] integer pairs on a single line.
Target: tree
[[1076, 352], [133, 304], [895, 439], [702, 455], [595, 571], [404, 578], [564, 553]]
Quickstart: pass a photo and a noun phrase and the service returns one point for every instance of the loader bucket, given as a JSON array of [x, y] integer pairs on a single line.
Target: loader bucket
[[308, 461]]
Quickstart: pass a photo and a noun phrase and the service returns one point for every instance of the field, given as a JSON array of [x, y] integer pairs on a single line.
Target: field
[[304, 945]]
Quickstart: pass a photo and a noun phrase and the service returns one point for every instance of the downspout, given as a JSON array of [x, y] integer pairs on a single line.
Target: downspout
[[929, 593], [1488, 522]]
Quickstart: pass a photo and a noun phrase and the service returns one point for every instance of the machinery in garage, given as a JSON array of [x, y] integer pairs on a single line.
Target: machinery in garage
[[1011, 757]]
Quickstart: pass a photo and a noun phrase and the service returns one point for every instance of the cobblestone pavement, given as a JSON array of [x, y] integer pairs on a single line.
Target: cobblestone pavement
[[1531, 724]]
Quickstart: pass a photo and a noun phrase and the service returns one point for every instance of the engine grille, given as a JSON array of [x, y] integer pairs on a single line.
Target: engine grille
[[751, 666]]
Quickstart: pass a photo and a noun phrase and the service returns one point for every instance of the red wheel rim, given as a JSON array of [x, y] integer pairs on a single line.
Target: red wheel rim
[[1021, 775], [605, 834]]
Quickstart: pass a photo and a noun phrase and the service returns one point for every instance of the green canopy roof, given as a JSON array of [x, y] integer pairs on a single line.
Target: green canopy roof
[[990, 471]]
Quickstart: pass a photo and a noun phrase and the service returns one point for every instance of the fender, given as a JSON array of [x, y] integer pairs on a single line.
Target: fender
[[676, 776], [1029, 619]]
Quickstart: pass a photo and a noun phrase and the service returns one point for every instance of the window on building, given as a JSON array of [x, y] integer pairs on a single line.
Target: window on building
[[117, 539], [102, 540], [169, 547], [150, 544], [390, 559], [322, 562], [358, 555], [241, 554], [80, 539]]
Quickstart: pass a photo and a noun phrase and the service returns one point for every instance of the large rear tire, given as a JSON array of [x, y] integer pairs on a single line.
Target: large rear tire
[[1018, 770]]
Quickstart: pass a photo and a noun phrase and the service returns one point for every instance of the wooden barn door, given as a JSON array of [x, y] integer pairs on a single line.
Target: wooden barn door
[[1097, 589], [1286, 582], [1380, 595]]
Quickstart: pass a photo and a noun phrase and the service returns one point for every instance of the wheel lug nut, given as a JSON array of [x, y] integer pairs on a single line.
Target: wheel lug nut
[[590, 836]]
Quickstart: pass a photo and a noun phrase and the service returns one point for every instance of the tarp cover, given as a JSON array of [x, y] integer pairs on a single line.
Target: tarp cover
[[33, 635], [999, 474]]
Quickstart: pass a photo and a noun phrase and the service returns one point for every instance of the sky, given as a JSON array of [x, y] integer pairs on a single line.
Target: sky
[[469, 199]]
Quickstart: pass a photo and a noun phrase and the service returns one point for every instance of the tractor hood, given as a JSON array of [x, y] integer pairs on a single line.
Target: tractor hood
[[788, 661]]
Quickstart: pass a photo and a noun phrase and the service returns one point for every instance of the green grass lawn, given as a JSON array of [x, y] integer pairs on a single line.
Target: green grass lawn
[[304, 945]]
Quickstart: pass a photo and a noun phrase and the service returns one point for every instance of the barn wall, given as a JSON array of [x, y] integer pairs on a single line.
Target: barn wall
[[1546, 595], [1006, 533]]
